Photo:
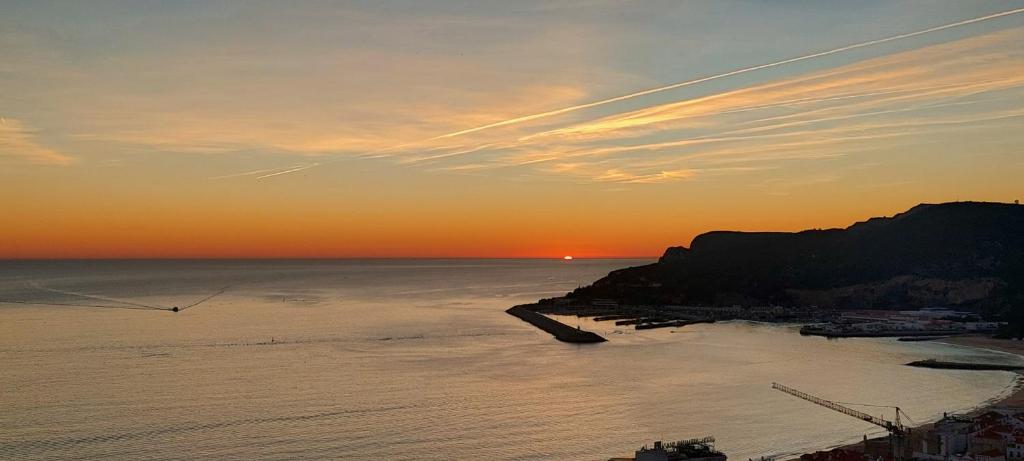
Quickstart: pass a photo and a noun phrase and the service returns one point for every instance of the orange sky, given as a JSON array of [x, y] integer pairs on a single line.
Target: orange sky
[[320, 131], [556, 220]]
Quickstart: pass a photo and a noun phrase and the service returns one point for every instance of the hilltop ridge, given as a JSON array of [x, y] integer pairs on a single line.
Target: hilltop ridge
[[967, 255]]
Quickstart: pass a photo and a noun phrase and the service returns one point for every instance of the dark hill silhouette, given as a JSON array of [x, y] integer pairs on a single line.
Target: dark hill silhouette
[[968, 255]]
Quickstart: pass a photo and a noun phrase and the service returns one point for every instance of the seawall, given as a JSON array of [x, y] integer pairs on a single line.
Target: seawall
[[814, 331], [559, 330], [964, 366]]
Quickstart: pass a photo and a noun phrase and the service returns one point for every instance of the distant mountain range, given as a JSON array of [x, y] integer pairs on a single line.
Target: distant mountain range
[[966, 255]]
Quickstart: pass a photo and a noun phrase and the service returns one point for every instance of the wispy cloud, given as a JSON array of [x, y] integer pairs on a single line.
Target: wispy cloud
[[391, 112], [20, 143], [491, 138], [923, 94], [578, 107], [363, 127]]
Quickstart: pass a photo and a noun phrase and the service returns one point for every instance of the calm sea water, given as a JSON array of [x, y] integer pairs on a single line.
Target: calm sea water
[[413, 360]]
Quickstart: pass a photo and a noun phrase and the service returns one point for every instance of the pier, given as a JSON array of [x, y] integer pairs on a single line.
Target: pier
[[559, 330]]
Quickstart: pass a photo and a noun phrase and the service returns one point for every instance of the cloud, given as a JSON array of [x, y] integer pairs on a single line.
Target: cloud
[[323, 104], [963, 87], [579, 107], [410, 149], [21, 144], [930, 75], [363, 127]]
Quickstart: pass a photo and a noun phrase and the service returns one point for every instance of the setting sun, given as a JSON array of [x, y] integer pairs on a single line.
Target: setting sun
[[567, 258]]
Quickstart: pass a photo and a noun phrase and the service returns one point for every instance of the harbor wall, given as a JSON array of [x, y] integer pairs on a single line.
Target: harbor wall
[[559, 330]]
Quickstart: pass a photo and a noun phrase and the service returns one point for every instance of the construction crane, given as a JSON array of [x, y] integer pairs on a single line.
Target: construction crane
[[897, 432]]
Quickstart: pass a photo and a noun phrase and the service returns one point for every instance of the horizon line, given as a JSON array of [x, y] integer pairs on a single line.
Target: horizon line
[[325, 258]]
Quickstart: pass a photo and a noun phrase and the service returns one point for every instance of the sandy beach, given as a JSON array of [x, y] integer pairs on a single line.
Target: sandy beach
[[1016, 398]]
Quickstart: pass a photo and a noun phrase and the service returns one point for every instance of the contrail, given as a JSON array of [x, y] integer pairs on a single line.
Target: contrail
[[526, 118], [673, 86], [247, 173], [292, 170]]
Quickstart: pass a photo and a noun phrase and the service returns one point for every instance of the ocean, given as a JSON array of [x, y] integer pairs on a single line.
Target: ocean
[[414, 360]]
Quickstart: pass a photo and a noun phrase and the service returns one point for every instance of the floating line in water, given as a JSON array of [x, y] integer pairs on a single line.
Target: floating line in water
[[43, 303], [205, 299], [98, 298], [124, 304]]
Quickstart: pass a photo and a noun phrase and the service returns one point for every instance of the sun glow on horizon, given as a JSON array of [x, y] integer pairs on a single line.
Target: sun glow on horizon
[[245, 140]]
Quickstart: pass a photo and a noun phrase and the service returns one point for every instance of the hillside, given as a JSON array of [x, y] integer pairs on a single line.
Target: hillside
[[968, 255]]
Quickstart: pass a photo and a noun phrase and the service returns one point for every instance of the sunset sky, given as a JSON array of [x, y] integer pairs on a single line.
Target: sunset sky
[[182, 129]]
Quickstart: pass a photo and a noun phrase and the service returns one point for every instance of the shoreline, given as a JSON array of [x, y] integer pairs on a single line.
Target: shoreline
[[1014, 398], [1010, 396], [1006, 346]]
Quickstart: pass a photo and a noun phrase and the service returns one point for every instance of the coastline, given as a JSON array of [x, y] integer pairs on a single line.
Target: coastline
[[1009, 346], [1015, 398]]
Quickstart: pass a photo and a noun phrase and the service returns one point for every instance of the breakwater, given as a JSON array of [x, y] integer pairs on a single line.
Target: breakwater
[[559, 330], [670, 324], [920, 338], [964, 366], [814, 330]]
